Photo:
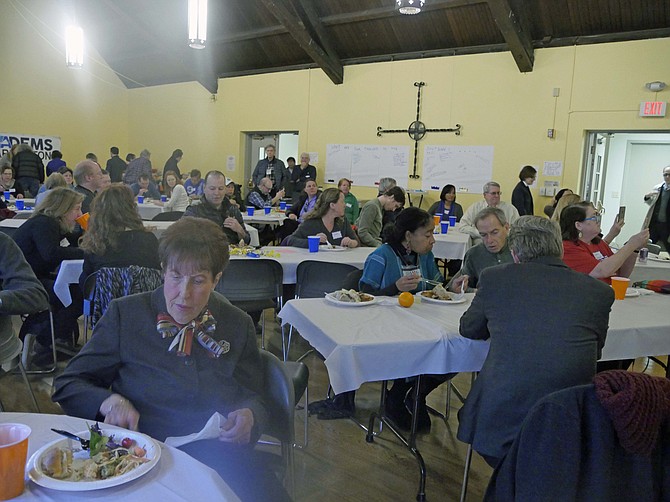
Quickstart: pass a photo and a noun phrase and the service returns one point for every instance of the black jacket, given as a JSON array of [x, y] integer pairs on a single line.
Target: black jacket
[[28, 164]]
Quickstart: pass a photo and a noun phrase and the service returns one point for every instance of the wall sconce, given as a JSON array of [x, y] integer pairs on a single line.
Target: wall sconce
[[409, 6], [74, 47], [197, 23], [655, 86]]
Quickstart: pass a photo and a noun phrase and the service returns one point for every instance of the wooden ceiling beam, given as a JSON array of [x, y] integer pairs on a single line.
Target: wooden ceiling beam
[[295, 25], [518, 39]]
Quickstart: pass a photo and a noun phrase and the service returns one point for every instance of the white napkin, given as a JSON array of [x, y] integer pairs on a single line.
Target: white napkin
[[211, 430]]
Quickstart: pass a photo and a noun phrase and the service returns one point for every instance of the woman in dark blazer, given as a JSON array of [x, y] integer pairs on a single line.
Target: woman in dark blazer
[[522, 199]]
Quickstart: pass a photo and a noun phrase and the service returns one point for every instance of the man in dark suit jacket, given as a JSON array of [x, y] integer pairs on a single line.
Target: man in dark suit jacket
[[538, 345]]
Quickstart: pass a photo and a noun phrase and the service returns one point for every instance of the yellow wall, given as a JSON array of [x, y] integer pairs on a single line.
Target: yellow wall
[[600, 88], [39, 95]]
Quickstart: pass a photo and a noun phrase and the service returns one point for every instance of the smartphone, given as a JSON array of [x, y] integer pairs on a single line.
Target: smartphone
[[622, 213]]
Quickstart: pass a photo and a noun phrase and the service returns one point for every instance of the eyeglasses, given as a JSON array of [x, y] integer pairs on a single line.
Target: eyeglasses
[[666, 174], [494, 193], [596, 217]]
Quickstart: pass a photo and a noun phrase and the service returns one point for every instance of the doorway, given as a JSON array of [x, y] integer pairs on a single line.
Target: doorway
[[620, 168], [286, 144]]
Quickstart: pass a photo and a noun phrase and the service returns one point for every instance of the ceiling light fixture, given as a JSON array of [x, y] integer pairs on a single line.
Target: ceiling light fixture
[[197, 23], [74, 47], [409, 6]]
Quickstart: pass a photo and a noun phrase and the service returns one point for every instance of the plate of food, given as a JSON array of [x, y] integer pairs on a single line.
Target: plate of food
[[632, 293], [332, 247], [440, 295], [350, 298], [115, 456]]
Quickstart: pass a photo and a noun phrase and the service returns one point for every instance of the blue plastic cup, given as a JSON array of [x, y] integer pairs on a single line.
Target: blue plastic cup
[[163, 198], [20, 204], [445, 226], [313, 241], [8, 194], [250, 211], [140, 199], [452, 221], [282, 205], [267, 209]]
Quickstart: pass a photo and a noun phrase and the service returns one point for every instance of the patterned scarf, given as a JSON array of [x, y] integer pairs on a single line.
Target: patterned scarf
[[202, 327]]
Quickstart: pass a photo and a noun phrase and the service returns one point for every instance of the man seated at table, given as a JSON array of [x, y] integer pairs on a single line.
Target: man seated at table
[[145, 187], [168, 379], [20, 293], [195, 185], [260, 196], [492, 195], [88, 177], [370, 219], [537, 346], [215, 206], [493, 228]]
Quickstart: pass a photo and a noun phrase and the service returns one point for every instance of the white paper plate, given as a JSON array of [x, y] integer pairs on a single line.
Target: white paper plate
[[657, 258], [632, 293], [331, 298], [335, 248], [441, 302], [38, 476]]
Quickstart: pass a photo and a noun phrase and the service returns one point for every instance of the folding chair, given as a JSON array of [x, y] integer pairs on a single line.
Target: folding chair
[[253, 285], [13, 361]]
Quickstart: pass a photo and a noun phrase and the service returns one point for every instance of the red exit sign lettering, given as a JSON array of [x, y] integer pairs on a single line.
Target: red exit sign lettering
[[652, 108]]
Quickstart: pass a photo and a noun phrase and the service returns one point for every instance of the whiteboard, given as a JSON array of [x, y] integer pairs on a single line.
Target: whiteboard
[[365, 164], [468, 168]]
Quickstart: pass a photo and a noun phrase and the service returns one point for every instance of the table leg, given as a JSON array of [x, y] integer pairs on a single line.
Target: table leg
[[409, 443]]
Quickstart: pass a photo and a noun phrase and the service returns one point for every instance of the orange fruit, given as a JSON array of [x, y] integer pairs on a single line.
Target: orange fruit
[[406, 299]]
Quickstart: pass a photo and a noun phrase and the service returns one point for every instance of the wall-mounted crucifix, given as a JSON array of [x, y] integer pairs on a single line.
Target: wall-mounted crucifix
[[417, 129]]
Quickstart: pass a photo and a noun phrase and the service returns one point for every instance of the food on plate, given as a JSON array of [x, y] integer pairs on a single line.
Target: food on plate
[[106, 459], [438, 293], [351, 296], [406, 299]]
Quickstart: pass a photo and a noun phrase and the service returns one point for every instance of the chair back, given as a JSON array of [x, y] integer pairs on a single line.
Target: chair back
[[279, 397], [251, 280], [168, 216], [116, 282], [314, 278]]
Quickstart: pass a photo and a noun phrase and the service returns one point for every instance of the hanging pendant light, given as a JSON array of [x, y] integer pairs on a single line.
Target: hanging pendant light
[[74, 47], [197, 23], [409, 6]]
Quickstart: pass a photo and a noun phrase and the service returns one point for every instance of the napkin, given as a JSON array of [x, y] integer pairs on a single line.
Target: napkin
[[211, 430]]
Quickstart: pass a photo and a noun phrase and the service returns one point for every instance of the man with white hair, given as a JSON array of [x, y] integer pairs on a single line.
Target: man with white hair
[[137, 166], [557, 342], [492, 195], [307, 172], [270, 167]]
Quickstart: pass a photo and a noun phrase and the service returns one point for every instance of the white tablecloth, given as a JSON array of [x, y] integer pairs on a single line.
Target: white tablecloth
[[274, 218], [148, 210], [382, 342], [176, 477], [651, 270], [386, 341], [452, 245], [291, 257]]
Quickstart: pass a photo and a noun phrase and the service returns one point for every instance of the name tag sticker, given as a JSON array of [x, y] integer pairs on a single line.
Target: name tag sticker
[[599, 256], [348, 204], [337, 235], [64, 243]]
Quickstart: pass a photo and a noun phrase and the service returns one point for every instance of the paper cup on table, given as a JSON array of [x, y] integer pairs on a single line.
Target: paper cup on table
[[163, 198], [620, 285], [140, 199], [250, 211], [445, 226], [8, 195], [20, 204], [313, 241], [13, 452], [282, 206], [437, 217], [452, 221], [83, 220], [267, 209]]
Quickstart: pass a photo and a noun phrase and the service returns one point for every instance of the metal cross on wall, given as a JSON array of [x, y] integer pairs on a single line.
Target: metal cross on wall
[[417, 129]]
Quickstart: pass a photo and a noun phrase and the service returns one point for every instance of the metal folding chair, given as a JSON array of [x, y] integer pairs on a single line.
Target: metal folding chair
[[14, 361], [253, 285]]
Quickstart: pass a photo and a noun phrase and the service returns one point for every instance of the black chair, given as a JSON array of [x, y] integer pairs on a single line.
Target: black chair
[[283, 383], [253, 285], [169, 216], [313, 279], [13, 361]]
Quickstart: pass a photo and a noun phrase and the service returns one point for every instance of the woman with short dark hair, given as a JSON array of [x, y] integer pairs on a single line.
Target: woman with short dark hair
[[522, 199]]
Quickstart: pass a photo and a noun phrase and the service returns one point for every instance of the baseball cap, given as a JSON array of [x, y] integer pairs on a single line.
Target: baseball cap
[[229, 181]]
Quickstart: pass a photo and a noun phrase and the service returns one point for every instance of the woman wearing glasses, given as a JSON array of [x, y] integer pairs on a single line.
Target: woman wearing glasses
[[585, 251]]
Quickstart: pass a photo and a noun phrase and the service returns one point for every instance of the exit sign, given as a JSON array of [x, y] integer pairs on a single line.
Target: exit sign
[[652, 108]]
